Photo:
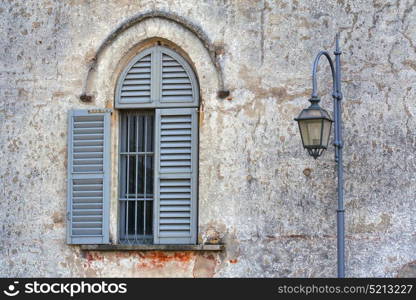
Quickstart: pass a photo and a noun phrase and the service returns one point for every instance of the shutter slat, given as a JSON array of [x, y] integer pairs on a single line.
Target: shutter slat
[[141, 82], [174, 202], [88, 154], [86, 224], [88, 177], [88, 161], [144, 59], [80, 149], [86, 232], [174, 214], [87, 200], [175, 221], [136, 94], [87, 187], [173, 236], [93, 130], [186, 87], [177, 138], [87, 205], [186, 145], [139, 70], [174, 81], [176, 228], [167, 196], [88, 143], [175, 163], [174, 208], [171, 63], [90, 137], [184, 98], [179, 189], [136, 87], [177, 157], [86, 218], [177, 92], [175, 75], [176, 170], [170, 69], [176, 126], [88, 124], [185, 120]]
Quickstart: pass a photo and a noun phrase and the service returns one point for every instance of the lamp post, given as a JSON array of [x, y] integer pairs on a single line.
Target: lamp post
[[315, 128]]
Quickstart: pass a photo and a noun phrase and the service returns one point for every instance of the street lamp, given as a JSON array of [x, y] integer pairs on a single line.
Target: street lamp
[[315, 128]]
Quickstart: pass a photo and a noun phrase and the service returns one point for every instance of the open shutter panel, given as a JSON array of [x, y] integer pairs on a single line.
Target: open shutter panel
[[88, 177], [176, 176]]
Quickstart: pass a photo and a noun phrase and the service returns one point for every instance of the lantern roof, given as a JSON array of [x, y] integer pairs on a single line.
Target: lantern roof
[[313, 112]]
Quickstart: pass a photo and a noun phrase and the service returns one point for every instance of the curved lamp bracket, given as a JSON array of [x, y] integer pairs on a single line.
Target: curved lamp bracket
[[314, 71]]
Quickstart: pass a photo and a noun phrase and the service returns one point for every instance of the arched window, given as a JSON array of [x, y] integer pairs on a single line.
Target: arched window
[[158, 96]]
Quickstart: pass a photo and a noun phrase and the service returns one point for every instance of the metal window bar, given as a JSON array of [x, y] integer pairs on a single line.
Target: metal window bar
[[136, 180]]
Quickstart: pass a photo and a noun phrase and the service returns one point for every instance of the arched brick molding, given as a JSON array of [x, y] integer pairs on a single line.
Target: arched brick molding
[[189, 30]]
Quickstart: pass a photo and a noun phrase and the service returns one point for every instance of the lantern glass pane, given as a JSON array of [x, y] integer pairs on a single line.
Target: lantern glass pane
[[311, 132], [326, 133]]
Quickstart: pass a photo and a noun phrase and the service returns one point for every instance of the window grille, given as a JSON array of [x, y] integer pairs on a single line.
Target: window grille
[[136, 178]]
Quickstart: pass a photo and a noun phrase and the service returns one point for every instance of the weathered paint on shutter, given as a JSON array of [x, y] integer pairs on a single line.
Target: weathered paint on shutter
[[157, 78], [88, 177], [176, 177]]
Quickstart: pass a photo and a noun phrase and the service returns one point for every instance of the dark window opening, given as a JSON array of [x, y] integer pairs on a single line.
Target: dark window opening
[[136, 177]]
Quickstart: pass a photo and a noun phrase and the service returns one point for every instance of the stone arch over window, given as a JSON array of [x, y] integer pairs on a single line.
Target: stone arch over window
[[115, 52]]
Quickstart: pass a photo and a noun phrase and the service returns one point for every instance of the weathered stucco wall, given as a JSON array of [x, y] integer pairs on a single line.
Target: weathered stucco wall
[[260, 193]]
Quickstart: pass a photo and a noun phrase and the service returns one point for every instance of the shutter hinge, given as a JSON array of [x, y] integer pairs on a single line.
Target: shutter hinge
[[100, 110], [68, 216]]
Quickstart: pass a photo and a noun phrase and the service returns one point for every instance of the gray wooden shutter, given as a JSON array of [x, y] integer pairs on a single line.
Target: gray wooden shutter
[[179, 86], [176, 171], [88, 177], [135, 88]]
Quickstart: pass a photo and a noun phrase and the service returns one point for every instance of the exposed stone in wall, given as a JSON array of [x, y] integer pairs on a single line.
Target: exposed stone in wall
[[256, 195]]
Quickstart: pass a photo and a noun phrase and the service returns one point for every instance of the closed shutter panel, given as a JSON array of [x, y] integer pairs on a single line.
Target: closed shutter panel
[[135, 87], [88, 177], [176, 176], [176, 84]]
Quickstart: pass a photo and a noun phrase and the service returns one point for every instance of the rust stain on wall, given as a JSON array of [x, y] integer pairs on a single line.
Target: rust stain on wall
[[158, 259]]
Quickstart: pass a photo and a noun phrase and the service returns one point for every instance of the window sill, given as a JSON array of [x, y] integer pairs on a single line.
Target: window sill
[[201, 247]]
